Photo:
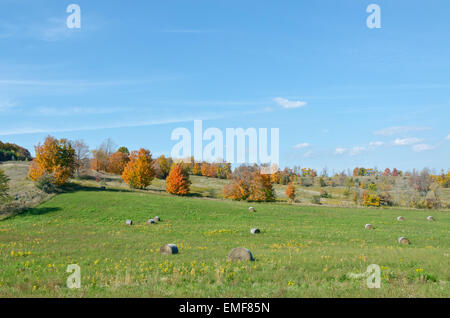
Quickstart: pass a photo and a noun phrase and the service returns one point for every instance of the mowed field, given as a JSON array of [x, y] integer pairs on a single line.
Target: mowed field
[[302, 251]]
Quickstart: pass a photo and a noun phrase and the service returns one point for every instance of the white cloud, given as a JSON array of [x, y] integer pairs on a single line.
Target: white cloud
[[357, 150], [286, 103], [448, 137], [389, 131], [6, 105], [302, 145], [376, 144], [340, 151], [307, 154], [422, 147], [406, 141]]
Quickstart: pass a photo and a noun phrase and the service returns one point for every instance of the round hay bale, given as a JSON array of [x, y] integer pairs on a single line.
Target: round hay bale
[[430, 218], [400, 218], [151, 221], [240, 254], [169, 249], [129, 222], [369, 227], [157, 219], [251, 209], [255, 231], [403, 240]]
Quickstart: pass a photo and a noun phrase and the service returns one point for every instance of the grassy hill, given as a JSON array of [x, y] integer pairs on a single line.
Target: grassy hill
[[303, 251]]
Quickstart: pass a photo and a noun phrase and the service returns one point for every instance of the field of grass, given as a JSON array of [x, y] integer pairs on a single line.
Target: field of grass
[[302, 251]]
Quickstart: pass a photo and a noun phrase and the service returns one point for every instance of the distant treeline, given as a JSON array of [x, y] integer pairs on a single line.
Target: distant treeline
[[13, 152]]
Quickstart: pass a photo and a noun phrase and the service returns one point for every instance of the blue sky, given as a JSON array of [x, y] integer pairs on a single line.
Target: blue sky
[[343, 95]]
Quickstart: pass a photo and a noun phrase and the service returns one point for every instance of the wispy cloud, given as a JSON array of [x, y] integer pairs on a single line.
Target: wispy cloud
[[286, 103], [302, 145], [422, 147], [448, 137], [376, 144], [308, 154], [28, 130], [72, 83], [406, 141], [357, 150], [188, 31], [6, 105], [340, 151], [389, 131], [74, 111]]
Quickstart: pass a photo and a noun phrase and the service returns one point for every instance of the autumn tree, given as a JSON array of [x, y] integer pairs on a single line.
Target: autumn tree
[[261, 188], [162, 166], [196, 170], [178, 180], [290, 192], [117, 162], [138, 172], [55, 158], [238, 189], [249, 184], [99, 161]]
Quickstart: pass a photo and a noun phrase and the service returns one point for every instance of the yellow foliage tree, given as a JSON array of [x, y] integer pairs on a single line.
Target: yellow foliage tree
[[138, 173], [54, 157]]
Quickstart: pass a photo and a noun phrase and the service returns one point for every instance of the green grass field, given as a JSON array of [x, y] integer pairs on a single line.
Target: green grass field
[[302, 251]]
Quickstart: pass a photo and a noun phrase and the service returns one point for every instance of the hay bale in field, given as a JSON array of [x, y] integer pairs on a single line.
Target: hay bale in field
[[400, 218], [157, 219], [403, 240], [240, 254], [129, 222], [151, 221], [169, 249], [430, 218], [255, 231], [251, 209], [369, 227]]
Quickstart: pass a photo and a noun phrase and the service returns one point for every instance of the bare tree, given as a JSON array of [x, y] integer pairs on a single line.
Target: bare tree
[[108, 147], [81, 155]]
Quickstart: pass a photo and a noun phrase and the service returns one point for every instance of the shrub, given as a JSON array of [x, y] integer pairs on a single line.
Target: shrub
[[315, 199], [370, 199], [46, 183], [324, 194], [290, 192], [3, 185]]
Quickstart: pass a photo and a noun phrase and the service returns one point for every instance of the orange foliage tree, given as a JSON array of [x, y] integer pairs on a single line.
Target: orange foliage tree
[[178, 180], [238, 189], [55, 158], [290, 191], [261, 188], [251, 186], [138, 172], [118, 162]]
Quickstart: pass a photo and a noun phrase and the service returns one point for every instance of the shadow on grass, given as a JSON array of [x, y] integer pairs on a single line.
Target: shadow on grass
[[29, 211], [39, 211], [74, 187]]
